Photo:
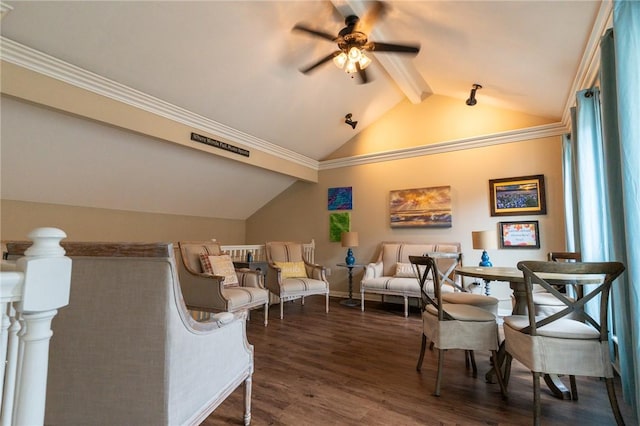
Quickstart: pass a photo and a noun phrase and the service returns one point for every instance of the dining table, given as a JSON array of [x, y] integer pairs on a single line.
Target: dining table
[[515, 278]]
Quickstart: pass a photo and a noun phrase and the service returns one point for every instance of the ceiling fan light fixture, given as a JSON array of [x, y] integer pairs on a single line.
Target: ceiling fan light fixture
[[340, 60], [364, 61], [350, 68], [355, 54]]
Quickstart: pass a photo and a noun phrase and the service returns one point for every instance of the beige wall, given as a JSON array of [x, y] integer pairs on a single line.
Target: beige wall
[[436, 119], [18, 218], [300, 213]]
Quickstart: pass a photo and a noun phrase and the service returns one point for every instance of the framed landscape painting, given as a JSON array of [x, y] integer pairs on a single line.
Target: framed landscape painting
[[517, 196], [423, 207]]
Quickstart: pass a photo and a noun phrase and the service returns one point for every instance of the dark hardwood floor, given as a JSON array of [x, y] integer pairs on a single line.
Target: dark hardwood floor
[[353, 368]]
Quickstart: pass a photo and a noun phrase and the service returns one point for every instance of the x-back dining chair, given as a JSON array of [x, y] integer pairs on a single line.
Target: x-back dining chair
[[452, 325], [570, 341]]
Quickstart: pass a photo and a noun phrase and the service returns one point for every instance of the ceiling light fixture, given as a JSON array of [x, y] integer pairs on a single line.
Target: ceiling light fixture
[[472, 97], [350, 60], [347, 119]]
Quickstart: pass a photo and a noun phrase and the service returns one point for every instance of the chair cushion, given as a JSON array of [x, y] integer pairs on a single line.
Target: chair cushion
[[409, 286], [297, 285], [469, 299], [562, 328], [220, 265], [462, 312], [243, 296], [292, 269], [546, 298]]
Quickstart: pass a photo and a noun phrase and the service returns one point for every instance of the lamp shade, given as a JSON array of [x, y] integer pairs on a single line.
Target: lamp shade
[[349, 239], [484, 240]]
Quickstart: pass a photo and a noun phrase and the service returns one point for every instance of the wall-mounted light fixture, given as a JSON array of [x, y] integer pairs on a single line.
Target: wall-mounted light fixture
[[347, 119], [472, 97]]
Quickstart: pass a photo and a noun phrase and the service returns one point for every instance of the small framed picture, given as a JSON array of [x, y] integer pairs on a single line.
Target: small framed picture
[[522, 195], [522, 234]]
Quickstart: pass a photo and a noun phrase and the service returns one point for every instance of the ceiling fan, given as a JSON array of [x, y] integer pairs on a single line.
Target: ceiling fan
[[353, 42]]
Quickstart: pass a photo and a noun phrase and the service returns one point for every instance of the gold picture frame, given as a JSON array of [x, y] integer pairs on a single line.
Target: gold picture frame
[[524, 195]]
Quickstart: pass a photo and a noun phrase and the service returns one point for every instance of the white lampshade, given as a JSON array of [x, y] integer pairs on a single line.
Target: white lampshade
[[349, 239], [484, 240]]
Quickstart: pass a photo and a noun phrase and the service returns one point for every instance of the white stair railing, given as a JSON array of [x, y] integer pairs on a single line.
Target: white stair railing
[[31, 290], [239, 252]]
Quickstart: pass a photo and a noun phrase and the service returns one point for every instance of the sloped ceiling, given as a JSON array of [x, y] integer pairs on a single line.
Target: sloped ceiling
[[236, 63]]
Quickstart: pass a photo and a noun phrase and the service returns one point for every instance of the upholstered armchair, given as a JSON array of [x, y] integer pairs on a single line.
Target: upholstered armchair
[[291, 276], [210, 283]]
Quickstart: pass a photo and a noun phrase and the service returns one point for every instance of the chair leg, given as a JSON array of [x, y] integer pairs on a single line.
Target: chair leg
[[574, 388], [439, 374], [422, 348], [302, 300], [611, 391], [281, 308], [507, 369], [361, 302], [406, 306], [474, 368], [537, 411], [266, 314], [496, 367], [467, 361], [326, 303]]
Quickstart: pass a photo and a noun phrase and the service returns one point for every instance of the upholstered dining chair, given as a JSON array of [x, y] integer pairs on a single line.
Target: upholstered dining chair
[[291, 276], [569, 341], [452, 325], [545, 303], [210, 282]]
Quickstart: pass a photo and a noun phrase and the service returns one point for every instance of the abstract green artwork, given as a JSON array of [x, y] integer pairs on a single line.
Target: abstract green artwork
[[338, 223]]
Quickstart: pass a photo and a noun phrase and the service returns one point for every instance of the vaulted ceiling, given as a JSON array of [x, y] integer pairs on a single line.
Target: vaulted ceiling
[[235, 65]]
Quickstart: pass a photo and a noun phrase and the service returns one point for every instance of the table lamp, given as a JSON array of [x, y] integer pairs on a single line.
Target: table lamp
[[484, 240], [349, 239]]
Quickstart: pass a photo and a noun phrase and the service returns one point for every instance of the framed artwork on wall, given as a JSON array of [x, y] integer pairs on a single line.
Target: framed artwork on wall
[[515, 196], [421, 208], [340, 198], [338, 223], [522, 234]]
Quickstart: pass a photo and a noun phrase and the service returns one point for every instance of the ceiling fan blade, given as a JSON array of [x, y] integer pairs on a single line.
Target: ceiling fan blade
[[313, 66], [371, 16], [389, 47], [321, 34]]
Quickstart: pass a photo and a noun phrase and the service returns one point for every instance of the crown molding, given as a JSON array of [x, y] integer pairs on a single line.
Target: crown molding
[[34, 60], [4, 9], [537, 132]]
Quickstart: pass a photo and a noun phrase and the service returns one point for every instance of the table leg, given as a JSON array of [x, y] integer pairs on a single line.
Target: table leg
[[351, 302], [557, 388]]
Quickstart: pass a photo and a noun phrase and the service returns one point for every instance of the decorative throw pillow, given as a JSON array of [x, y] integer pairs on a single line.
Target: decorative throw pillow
[[220, 265], [404, 270], [292, 269]]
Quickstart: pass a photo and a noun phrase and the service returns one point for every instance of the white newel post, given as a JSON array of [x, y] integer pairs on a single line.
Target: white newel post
[[46, 287]]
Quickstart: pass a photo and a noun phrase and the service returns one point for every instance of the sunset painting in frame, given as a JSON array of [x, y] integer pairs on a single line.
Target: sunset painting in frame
[[421, 208]]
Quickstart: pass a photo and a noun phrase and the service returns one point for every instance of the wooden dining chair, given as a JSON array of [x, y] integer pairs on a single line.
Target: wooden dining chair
[[569, 341], [452, 326]]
